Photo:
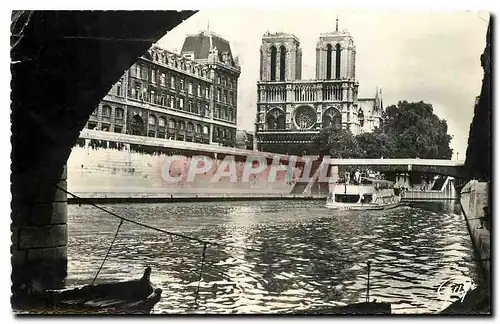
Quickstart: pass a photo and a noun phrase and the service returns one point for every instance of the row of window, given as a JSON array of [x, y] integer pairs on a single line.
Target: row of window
[[220, 112], [223, 133], [225, 81], [105, 127], [180, 63], [107, 112], [178, 102], [225, 114], [175, 82], [172, 124], [219, 134], [160, 77], [225, 97], [181, 125], [162, 98]]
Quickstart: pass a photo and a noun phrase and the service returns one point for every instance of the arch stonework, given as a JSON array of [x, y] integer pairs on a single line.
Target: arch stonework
[[275, 118], [137, 125], [332, 116]]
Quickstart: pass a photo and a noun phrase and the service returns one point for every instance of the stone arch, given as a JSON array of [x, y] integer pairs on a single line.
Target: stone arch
[[182, 125], [274, 54], [282, 62], [338, 50], [152, 119], [276, 119], [329, 53], [137, 126], [161, 121], [119, 113], [304, 117], [106, 111], [332, 118]]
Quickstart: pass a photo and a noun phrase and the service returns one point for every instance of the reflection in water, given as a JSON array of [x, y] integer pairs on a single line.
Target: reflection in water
[[412, 250]]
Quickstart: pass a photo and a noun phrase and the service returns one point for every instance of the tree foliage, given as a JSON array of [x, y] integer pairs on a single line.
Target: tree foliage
[[374, 145], [408, 130], [337, 143], [415, 131]]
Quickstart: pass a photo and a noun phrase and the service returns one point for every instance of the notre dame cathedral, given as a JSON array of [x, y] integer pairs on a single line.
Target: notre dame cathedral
[[291, 111]]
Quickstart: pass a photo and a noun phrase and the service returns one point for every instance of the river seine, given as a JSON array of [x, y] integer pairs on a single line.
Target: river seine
[[306, 257]]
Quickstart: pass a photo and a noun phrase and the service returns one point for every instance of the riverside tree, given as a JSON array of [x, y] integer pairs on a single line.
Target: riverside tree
[[415, 131], [337, 142], [408, 130]]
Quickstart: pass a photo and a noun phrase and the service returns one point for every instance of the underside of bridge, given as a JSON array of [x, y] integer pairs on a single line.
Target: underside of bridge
[[63, 63]]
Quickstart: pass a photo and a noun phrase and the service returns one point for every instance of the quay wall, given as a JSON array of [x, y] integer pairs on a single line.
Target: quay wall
[[473, 198], [112, 173], [108, 174]]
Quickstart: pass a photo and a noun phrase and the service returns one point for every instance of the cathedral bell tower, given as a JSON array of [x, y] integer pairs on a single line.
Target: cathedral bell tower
[[335, 69], [280, 58], [335, 56]]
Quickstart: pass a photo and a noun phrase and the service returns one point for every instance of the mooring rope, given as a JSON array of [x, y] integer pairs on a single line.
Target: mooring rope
[[201, 273], [109, 250]]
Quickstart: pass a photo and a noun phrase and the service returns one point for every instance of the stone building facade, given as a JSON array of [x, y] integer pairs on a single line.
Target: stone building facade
[[189, 96], [291, 111]]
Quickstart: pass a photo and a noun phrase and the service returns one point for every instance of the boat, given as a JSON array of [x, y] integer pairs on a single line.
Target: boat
[[366, 308], [365, 193], [126, 297]]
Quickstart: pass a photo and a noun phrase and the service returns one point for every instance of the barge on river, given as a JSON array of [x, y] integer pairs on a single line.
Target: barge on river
[[365, 194], [126, 297]]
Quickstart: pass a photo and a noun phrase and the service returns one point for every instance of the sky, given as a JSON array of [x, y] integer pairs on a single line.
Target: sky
[[433, 56]]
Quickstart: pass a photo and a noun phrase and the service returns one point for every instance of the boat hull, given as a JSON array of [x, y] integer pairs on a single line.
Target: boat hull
[[128, 297], [356, 206]]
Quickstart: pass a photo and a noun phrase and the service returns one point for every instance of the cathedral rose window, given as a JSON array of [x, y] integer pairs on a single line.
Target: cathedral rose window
[[305, 117]]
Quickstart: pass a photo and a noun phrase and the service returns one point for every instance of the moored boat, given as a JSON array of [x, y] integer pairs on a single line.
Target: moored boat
[[365, 194], [126, 297]]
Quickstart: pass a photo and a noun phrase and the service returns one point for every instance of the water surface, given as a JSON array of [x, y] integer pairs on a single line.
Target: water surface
[[412, 251]]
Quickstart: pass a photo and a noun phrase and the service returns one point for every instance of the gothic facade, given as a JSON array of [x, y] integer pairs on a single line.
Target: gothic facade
[[291, 111]]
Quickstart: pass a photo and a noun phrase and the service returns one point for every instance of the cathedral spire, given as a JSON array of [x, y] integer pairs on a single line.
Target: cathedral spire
[[337, 23]]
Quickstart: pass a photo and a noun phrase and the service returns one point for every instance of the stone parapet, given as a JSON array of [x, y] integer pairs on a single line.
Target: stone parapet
[[473, 198]]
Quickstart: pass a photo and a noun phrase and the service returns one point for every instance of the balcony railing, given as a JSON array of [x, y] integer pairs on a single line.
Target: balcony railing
[[303, 91], [276, 131], [284, 137]]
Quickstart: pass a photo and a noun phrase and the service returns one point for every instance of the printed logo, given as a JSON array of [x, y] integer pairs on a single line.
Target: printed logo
[[453, 289]]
